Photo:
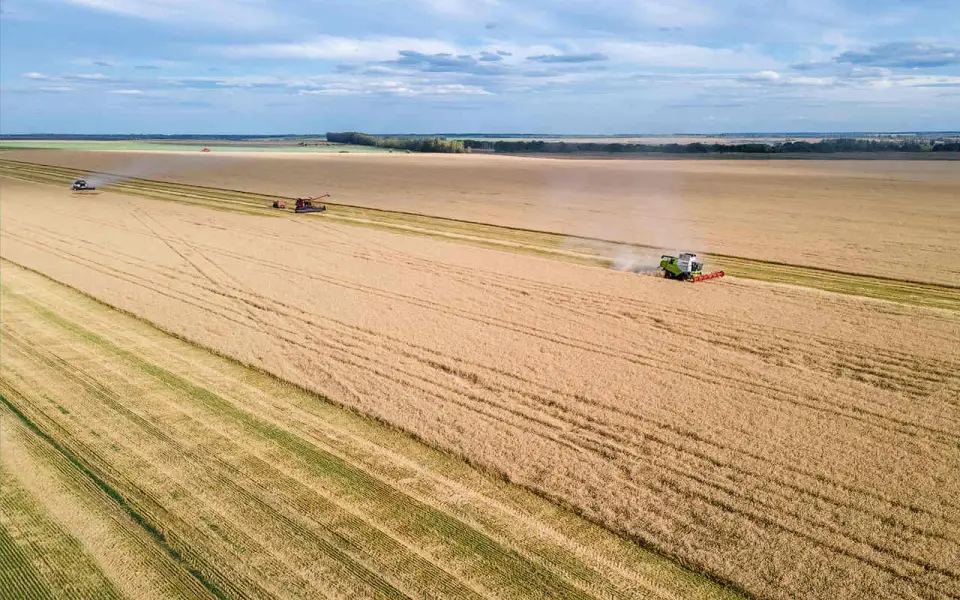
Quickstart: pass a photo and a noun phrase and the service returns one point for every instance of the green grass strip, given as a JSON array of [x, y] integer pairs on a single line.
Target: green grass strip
[[18, 576], [116, 496]]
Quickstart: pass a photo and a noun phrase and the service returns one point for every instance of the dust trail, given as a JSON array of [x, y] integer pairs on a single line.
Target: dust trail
[[656, 219], [146, 165]]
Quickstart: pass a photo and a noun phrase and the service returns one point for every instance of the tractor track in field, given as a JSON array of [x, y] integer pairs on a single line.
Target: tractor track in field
[[937, 295], [235, 295], [676, 476], [913, 374], [195, 458], [262, 303]]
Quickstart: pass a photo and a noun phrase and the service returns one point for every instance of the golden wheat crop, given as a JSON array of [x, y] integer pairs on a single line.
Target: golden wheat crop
[[136, 465], [892, 218], [796, 443]]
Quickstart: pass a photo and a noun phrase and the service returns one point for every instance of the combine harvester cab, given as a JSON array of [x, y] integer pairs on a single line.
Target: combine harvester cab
[[80, 185], [685, 268]]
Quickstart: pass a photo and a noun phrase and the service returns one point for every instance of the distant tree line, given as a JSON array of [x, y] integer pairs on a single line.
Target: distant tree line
[[827, 146], [413, 144]]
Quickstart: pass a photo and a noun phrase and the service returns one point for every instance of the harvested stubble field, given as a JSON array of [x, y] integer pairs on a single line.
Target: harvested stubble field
[[794, 442], [897, 219]]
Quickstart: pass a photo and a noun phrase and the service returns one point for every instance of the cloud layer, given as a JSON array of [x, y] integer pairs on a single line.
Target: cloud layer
[[560, 65]]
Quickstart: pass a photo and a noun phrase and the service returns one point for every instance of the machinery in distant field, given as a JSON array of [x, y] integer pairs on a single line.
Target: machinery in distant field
[[303, 205], [685, 268], [81, 185], [306, 205]]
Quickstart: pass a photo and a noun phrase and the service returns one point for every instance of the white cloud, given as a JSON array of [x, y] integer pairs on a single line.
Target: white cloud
[[461, 9], [399, 87], [621, 54], [925, 81], [812, 81], [773, 78], [869, 72], [763, 76], [662, 55], [56, 88], [329, 47], [224, 14], [127, 92], [326, 92], [37, 76], [456, 89], [239, 81], [674, 13], [87, 76]]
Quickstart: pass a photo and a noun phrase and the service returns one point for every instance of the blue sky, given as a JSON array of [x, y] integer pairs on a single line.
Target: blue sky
[[549, 66]]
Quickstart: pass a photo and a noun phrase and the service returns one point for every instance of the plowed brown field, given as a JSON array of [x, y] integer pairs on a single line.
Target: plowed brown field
[[794, 442], [898, 219]]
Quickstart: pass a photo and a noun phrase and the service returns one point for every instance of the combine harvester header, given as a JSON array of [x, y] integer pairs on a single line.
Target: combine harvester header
[[303, 205], [685, 268]]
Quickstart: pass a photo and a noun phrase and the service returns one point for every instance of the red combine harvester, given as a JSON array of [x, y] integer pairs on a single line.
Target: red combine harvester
[[686, 268]]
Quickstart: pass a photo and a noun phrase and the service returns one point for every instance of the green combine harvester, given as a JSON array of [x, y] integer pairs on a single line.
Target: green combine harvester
[[685, 268]]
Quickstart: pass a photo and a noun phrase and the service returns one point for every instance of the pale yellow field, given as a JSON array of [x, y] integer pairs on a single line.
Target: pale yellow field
[[794, 442], [898, 219], [136, 465]]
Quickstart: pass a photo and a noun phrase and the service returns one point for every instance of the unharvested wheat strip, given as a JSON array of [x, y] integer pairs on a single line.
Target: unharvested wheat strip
[[126, 258], [798, 490]]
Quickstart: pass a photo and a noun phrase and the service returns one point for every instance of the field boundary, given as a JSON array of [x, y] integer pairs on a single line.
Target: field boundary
[[592, 250]]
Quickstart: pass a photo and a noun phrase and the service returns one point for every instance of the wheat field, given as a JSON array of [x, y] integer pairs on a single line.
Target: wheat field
[[136, 465], [792, 442], [896, 219]]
